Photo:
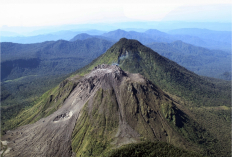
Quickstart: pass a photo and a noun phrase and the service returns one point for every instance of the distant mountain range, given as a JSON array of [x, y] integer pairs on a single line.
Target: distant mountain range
[[54, 36], [49, 57], [84, 36], [222, 36], [150, 36], [198, 37], [63, 35]]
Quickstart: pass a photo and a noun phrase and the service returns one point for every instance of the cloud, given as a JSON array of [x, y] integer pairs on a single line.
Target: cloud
[[77, 13], [48, 13], [148, 12], [201, 13], [57, 14]]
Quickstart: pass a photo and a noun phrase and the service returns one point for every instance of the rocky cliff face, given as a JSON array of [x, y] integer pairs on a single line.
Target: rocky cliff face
[[106, 109]]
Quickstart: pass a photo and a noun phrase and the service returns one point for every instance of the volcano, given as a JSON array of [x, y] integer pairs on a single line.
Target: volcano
[[128, 95], [106, 106]]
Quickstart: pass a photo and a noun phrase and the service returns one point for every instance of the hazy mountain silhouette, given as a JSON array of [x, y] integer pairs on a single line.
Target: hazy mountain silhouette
[[202, 61]]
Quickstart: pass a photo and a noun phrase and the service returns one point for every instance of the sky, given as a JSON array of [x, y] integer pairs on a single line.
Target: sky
[[31, 13]]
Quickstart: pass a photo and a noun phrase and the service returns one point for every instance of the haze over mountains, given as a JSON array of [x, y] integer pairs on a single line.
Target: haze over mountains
[[104, 106], [51, 57], [219, 42], [52, 36], [203, 37], [215, 41], [203, 61], [223, 36], [84, 36]]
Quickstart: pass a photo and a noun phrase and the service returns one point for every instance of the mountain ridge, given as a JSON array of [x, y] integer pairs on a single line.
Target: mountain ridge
[[84, 36], [54, 51], [211, 63]]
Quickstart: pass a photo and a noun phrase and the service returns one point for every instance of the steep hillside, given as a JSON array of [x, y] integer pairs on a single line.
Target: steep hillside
[[101, 111], [208, 99], [202, 61]]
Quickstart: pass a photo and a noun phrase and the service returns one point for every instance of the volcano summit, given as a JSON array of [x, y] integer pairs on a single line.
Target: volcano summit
[[106, 106]]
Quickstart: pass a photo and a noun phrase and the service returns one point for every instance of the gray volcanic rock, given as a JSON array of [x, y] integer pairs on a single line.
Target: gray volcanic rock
[[135, 104], [51, 136]]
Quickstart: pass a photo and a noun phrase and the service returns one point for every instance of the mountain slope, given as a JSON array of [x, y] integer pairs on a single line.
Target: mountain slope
[[22, 63], [29, 70], [208, 99], [134, 57], [105, 109], [206, 62], [151, 149]]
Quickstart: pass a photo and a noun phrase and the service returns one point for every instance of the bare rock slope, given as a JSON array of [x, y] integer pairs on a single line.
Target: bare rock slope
[[107, 108]]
